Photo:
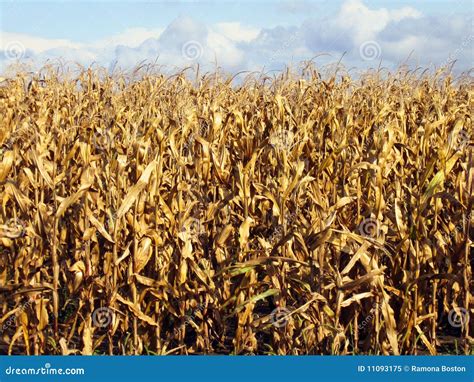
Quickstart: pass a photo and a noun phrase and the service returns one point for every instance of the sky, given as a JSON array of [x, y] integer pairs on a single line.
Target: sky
[[238, 35]]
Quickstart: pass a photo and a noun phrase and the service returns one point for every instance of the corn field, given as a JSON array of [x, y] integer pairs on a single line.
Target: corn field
[[293, 214]]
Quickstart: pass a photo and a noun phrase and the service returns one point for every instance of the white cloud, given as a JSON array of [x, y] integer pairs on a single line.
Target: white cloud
[[184, 42], [235, 31], [227, 54], [131, 37], [405, 13], [365, 23], [298, 6], [397, 33], [35, 44]]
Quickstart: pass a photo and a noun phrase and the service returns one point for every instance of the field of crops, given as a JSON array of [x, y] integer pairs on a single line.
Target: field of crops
[[272, 215]]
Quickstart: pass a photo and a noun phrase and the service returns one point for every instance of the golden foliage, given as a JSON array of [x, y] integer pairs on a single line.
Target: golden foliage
[[163, 216]]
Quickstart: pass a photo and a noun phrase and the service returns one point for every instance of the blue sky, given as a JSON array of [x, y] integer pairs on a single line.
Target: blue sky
[[238, 34], [90, 20]]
